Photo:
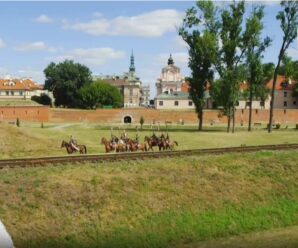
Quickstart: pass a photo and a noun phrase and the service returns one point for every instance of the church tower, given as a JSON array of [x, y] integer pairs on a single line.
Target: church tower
[[132, 63]]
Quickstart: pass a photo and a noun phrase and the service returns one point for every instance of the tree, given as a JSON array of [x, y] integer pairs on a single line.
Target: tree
[[200, 32], [254, 54], [99, 94], [288, 18], [43, 99], [65, 80], [142, 120]]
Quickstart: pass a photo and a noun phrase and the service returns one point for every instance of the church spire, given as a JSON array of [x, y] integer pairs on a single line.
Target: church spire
[[132, 63], [170, 60]]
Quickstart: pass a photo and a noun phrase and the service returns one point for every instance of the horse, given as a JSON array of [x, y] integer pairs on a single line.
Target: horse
[[108, 145], [70, 149], [153, 141], [172, 145]]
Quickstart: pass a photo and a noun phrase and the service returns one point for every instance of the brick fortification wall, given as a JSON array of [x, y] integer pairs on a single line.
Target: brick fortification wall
[[24, 113], [162, 116]]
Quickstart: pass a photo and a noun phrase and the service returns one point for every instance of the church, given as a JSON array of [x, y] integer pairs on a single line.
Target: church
[[130, 86], [172, 89]]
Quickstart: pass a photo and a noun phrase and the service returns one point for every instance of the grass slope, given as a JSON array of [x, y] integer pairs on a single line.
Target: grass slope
[[32, 140], [158, 203]]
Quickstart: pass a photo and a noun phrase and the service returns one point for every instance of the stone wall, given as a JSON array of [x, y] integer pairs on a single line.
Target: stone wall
[[24, 113], [162, 116]]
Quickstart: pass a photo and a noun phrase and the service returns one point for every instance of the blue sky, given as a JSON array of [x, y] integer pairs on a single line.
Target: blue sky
[[101, 35]]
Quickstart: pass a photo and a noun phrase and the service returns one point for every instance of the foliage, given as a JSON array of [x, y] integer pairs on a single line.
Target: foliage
[[288, 18], [43, 99], [235, 43], [18, 123], [199, 31], [65, 80], [142, 120], [99, 94]]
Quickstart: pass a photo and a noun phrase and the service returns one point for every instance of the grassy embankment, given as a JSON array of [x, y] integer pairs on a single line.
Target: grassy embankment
[[160, 203], [32, 140]]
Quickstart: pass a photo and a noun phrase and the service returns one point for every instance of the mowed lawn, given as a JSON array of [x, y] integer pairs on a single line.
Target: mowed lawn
[[30, 140], [177, 202]]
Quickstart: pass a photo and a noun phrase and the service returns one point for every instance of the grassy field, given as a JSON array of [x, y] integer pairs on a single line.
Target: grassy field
[[169, 202], [32, 140]]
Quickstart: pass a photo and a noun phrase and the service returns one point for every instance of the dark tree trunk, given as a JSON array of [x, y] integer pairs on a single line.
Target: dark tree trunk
[[272, 98], [229, 122], [250, 109], [233, 127], [200, 116]]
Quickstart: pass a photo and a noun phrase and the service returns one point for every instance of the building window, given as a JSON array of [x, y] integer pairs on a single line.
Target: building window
[[176, 103], [285, 94], [285, 103], [130, 92], [21, 93], [247, 104], [294, 103], [190, 103], [7, 93], [160, 103], [130, 100], [12, 93], [262, 103]]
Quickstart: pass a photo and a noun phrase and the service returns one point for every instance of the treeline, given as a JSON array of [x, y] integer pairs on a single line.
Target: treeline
[[225, 50], [72, 87]]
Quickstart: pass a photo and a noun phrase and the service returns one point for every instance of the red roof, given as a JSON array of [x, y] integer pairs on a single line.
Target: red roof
[[19, 84]]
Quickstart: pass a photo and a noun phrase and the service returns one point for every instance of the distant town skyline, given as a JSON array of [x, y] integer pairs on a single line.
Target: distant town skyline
[[101, 35]]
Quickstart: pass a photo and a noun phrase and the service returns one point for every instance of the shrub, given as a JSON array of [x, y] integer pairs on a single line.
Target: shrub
[[277, 126], [142, 120], [296, 126], [41, 125], [18, 123], [42, 99]]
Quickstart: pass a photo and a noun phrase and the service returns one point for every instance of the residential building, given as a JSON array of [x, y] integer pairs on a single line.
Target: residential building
[[17, 89]]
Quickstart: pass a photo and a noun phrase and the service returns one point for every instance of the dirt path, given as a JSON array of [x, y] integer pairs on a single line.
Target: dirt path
[[278, 238]]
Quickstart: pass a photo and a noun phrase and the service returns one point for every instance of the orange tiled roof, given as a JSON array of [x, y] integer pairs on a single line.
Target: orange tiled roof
[[281, 84], [18, 84]]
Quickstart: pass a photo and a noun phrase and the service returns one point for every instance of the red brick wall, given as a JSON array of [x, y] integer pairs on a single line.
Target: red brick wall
[[24, 113], [150, 115]]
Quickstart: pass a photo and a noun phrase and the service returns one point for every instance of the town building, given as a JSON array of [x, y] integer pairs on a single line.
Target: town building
[[18, 89], [283, 99], [130, 86]]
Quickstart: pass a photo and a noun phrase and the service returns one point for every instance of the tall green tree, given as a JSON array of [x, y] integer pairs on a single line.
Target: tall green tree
[[254, 55], [235, 42], [199, 31], [288, 18], [98, 94], [65, 79]]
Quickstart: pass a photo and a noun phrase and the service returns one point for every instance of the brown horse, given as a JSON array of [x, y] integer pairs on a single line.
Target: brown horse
[[108, 145], [171, 145], [70, 149], [151, 142]]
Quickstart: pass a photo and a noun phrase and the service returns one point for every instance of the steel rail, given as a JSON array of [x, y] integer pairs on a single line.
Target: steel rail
[[107, 157]]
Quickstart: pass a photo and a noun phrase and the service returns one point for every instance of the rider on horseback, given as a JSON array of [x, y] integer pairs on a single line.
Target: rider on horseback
[[73, 143]]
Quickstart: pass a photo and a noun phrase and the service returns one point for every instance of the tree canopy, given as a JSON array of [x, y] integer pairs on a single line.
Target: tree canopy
[[65, 79], [99, 94]]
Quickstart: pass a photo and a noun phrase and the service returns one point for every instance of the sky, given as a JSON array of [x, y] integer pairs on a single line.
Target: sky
[[102, 35]]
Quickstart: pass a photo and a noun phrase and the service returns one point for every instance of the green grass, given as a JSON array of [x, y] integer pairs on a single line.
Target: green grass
[[32, 140], [159, 203]]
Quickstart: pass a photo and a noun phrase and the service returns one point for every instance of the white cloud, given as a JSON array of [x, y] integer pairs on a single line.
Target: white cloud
[[97, 15], [150, 24], [2, 43], [43, 19], [90, 56], [36, 46]]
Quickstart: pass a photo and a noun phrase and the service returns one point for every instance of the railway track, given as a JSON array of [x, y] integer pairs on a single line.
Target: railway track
[[101, 158]]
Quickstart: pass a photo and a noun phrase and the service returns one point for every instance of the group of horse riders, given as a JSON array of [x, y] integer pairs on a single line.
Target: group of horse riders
[[125, 144]]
